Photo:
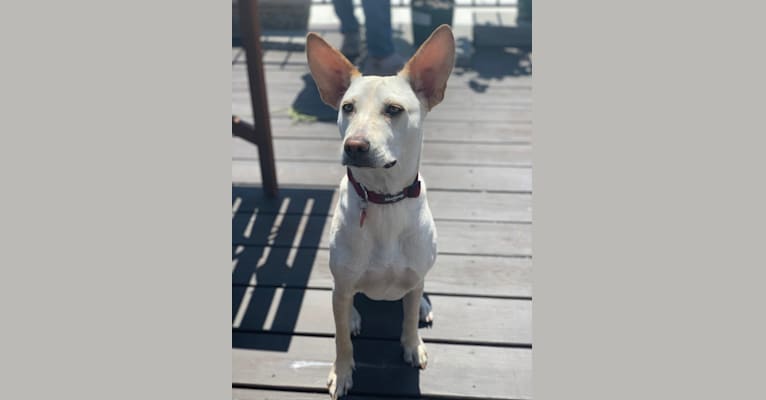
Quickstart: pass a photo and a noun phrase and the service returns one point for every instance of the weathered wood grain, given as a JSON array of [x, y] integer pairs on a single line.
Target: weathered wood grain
[[464, 275], [464, 206], [457, 319], [479, 238], [481, 372], [440, 177]]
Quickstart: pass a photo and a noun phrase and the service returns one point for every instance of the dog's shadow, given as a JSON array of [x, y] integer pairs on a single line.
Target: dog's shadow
[[307, 102], [380, 367]]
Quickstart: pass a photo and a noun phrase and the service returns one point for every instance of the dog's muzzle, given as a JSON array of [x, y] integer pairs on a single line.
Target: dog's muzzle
[[357, 153]]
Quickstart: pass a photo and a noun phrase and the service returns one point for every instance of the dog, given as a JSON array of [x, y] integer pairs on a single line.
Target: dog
[[382, 237]]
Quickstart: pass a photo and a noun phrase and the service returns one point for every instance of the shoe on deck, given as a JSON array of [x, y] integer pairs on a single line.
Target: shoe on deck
[[383, 66]]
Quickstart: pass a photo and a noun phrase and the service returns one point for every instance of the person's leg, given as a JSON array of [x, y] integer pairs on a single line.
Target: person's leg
[[349, 27], [377, 15], [344, 9], [381, 55]]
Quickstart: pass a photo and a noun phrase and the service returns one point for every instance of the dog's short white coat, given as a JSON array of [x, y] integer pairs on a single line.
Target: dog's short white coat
[[388, 257], [390, 254]]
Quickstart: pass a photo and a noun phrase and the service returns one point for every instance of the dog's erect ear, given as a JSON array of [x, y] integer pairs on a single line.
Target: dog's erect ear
[[430, 67], [332, 72]]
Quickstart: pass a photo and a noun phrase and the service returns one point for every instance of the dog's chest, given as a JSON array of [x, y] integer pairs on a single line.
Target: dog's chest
[[390, 273], [388, 283], [387, 257]]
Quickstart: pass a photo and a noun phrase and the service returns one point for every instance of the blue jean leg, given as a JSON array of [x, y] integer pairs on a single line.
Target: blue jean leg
[[344, 9], [377, 15]]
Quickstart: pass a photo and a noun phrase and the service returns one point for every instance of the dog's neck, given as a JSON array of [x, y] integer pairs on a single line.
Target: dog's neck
[[388, 180]]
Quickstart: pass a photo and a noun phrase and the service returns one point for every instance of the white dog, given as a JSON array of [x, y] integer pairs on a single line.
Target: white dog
[[383, 238]]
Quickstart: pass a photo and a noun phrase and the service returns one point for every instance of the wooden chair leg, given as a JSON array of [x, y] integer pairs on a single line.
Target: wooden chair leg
[[251, 38]]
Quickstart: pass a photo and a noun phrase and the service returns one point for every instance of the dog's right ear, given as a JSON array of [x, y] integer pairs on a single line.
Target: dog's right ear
[[332, 72]]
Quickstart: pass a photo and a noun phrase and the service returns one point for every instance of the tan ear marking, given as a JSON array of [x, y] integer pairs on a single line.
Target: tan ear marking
[[331, 71], [430, 67]]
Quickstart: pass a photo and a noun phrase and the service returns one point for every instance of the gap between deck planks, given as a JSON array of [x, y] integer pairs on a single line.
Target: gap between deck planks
[[459, 320], [484, 207], [456, 275], [453, 370], [444, 177], [455, 237]]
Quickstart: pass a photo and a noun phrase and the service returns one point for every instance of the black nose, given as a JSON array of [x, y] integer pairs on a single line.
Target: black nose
[[355, 145]]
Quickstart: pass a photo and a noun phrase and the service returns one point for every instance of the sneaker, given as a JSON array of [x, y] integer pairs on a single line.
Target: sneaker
[[383, 66], [351, 47]]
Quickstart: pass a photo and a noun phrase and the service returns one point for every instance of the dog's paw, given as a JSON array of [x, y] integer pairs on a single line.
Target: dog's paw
[[356, 322], [339, 381], [426, 312], [416, 354]]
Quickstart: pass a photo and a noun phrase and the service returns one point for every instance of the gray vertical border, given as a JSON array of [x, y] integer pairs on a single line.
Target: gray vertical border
[[649, 197], [114, 219]]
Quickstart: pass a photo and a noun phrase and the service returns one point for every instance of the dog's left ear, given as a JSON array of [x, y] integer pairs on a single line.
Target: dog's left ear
[[430, 67], [332, 72]]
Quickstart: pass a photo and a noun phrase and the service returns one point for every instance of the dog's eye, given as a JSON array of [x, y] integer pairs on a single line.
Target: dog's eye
[[393, 110], [348, 107]]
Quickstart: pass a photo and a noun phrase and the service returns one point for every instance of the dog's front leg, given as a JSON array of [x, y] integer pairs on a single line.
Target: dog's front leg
[[414, 349], [339, 381]]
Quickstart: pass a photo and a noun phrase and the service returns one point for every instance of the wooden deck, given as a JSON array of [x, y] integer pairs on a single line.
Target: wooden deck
[[477, 163]]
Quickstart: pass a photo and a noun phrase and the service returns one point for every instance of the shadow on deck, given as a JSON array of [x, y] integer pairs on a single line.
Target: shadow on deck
[[263, 234], [274, 246]]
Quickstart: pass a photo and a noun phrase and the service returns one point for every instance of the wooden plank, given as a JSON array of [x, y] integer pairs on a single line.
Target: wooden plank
[[518, 155], [479, 238], [480, 372], [467, 275], [456, 319], [439, 177], [468, 206], [498, 207]]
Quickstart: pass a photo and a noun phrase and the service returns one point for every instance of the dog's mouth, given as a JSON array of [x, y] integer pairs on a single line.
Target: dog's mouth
[[347, 161]]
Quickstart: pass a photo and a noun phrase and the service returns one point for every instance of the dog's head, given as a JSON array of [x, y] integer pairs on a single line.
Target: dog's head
[[380, 117]]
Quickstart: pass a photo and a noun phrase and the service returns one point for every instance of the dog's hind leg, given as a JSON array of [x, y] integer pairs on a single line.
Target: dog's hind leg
[[414, 348], [426, 312], [356, 321]]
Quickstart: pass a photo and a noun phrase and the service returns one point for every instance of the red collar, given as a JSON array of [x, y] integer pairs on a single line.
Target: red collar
[[382, 198]]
